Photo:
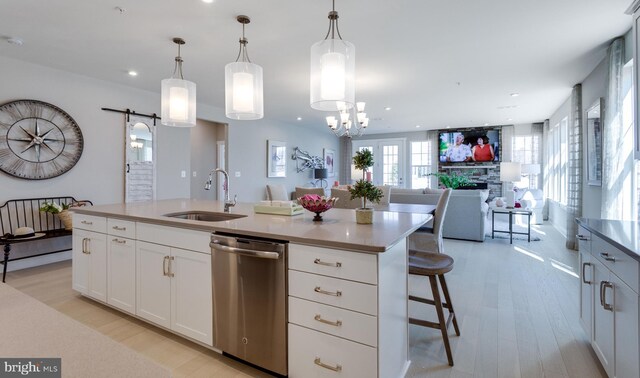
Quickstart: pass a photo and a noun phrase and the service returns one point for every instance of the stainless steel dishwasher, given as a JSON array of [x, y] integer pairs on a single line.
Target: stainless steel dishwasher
[[249, 299]]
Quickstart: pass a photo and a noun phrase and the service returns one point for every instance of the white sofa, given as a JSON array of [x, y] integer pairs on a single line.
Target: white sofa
[[466, 213]]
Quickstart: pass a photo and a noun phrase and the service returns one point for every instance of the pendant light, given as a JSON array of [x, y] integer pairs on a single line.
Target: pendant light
[[178, 96], [333, 70], [243, 84]]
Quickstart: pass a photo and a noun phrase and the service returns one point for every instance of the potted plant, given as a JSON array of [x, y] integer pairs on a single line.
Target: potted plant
[[364, 189], [453, 180]]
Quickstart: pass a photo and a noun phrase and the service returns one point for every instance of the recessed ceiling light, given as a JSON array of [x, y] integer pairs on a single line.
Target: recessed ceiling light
[[207, 1], [133, 73], [486, 124], [418, 126], [387, 108], [299, 118], [514, 94], [15, 41], [509, 119], [448, 127]]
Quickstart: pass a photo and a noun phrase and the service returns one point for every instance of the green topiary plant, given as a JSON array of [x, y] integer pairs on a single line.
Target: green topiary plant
[[454, 180], [364, 189]]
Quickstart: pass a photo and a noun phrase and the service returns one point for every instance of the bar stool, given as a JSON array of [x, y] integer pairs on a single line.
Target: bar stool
[[434, 265]]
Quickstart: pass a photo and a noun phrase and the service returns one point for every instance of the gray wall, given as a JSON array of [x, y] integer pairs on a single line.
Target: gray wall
[[99, 175], [204, 156]]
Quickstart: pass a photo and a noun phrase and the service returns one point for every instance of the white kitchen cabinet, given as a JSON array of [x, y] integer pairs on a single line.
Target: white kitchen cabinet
[[586, 281], [153, 284], [609, 304], [121, 273], [603, 330], [347, 312], [191, 301], [89, 271], [174, 289]]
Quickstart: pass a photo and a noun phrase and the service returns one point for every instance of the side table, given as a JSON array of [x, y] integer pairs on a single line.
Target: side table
[[511, 212]]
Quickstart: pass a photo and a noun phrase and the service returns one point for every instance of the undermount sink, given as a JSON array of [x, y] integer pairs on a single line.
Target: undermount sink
[[205, 216]]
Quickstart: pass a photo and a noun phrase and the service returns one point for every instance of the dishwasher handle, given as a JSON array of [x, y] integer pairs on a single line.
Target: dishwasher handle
[[215, 244]]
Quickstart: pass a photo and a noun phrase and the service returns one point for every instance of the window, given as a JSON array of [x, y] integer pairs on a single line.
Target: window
[[564, 161], [390, 158], [526, 150], [557, 161], [389, 161], [420, 164]]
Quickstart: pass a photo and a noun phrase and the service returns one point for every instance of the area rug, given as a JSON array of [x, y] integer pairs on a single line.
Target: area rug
[[31, 329], [503, 225]]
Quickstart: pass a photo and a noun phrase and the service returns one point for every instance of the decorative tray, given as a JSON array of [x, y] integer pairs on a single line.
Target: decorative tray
[[278, 210]]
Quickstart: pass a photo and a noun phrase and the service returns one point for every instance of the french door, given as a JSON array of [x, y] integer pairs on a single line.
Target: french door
[[389, 161]]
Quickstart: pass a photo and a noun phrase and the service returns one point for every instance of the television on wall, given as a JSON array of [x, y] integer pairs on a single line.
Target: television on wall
[[469, 146]]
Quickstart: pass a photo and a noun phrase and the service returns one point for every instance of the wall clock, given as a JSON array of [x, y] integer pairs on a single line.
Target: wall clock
[[37, 140]]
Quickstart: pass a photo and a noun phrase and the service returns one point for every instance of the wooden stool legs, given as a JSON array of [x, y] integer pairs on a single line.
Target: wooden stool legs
[[442, 325]]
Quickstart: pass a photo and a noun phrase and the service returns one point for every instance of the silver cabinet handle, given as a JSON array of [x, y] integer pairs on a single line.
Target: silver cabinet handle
[[165, 268], [337, 323], [85, 246], [318, 362], [87, 223], [582, 237], [169, 272], [583, 274], [605, 255], [603, 295], [320, 262], [119, 228], [318, 289], [119, 241]]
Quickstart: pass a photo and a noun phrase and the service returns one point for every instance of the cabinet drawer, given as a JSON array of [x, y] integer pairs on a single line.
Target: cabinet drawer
[[584, 239], [335, 292], [336, 321], [353, 266], [315, 354], [621, 264], [123, 228], [90, 223], [175, 237]]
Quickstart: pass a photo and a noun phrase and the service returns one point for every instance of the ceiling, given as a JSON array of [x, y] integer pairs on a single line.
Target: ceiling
[[435, 63]]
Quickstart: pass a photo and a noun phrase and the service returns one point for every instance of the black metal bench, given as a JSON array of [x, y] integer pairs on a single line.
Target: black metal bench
[[26, 213]]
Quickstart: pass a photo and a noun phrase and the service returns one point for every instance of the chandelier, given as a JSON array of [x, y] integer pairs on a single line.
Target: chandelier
[[332, 70], [178, 99], [344, 125], [243, 84]]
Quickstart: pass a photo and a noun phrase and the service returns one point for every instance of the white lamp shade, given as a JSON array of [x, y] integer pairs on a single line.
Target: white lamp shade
[[332, 75], [178, 103], [243, 91], [510, 171], [530, 169]]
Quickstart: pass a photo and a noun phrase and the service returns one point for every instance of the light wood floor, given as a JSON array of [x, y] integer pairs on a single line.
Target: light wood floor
[[517, 307]]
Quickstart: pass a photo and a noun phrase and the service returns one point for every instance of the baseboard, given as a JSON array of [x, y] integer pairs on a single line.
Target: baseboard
[[38, 260]]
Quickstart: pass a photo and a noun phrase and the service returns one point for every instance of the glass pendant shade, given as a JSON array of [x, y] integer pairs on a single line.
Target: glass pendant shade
[[243, 91], [332, 75], [178, 103]]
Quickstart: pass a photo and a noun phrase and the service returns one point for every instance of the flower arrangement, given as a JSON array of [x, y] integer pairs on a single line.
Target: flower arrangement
[[53, 208], [316, 204]]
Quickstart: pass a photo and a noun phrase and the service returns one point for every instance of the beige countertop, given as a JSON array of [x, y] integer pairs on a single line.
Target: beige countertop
[[337, 230]]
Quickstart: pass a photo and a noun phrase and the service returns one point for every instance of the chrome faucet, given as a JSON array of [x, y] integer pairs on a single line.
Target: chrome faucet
[[227, 201]]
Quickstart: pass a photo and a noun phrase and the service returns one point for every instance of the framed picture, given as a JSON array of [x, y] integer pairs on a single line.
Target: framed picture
[[329, 160], [276, 158], [594, 143]]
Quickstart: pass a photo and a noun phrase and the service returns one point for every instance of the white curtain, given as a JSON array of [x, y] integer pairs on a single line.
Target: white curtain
[[617, 146]]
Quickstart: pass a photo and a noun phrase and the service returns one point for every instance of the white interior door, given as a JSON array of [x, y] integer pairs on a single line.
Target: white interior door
[[389, 161]]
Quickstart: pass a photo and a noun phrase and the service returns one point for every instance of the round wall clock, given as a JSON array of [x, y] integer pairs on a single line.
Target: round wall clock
[[37, 140]]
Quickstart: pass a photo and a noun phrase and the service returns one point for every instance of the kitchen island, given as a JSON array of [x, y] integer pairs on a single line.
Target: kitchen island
[[346, 284]]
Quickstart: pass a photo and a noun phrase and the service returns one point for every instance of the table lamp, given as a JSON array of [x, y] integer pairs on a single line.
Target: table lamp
[[509, 172], [321, 174]]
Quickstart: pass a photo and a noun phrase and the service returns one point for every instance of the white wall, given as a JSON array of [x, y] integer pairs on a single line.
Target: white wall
[[99, 175], [204, 156]]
